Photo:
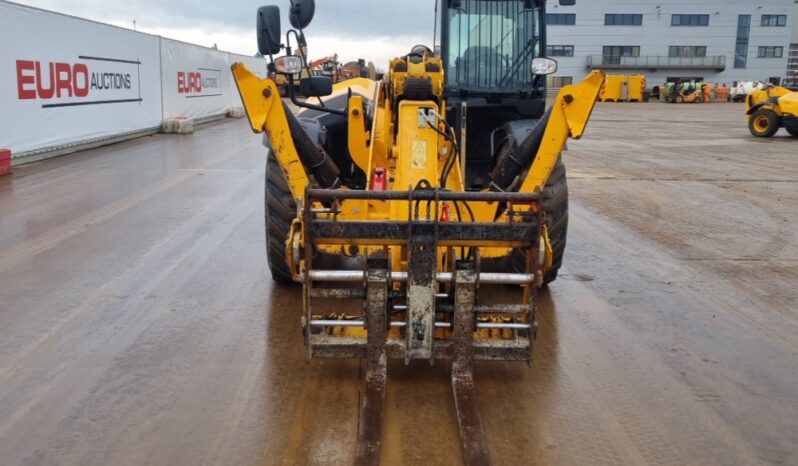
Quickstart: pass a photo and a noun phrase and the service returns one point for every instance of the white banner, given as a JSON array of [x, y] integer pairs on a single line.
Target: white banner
[[196, 80], [65, 80], [256, 65]]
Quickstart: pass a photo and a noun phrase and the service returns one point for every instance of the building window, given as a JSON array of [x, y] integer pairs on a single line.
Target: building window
[[561, 19], [774, 20], [618, 19], [771, 52], [792, 67], [556, 82], [690, 20], [688, 51], [741, 46], [613, 53], [560, 50]]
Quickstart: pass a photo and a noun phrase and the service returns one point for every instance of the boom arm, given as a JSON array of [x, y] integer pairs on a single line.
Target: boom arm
[[265, 112], [569, 117]]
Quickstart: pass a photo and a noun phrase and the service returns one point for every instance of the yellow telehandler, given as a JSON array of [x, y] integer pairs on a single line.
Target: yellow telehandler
[[397, 204], [770, 109]]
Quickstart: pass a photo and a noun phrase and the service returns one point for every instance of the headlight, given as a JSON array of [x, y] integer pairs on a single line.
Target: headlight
[[290, 64], [543, 66]]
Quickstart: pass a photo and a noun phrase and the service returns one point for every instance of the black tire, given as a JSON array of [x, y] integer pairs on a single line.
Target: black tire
[[555, 205], [280, 209], [763, 123], [793, 130]]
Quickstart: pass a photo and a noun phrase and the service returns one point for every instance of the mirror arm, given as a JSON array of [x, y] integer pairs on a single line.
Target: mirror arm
[[299, 45], [295, 101], [299, 36]]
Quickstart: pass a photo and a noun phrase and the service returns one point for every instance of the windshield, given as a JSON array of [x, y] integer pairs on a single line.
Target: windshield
[[491, 45]]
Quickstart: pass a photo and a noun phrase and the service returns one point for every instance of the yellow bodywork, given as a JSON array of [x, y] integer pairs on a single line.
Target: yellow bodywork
[[266, 112], [409, 150], [572, 110], [787, 100], [769, 109]]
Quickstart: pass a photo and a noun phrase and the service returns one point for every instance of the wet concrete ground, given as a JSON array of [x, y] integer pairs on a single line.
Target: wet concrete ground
[[138, 323]]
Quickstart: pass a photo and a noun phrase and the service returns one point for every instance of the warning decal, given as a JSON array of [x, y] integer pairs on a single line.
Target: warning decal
[[419, 159]]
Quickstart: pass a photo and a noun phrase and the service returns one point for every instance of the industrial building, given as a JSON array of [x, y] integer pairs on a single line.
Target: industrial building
[[710, 40], [792, 65]]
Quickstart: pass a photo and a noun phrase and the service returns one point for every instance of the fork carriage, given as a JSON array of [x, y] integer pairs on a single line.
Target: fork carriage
[[420, 301]]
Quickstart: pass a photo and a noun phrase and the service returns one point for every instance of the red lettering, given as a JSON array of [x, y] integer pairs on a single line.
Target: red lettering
[[63, 78], [181, 82], [44, 93], [188, 82], [192, 86], [81, 88], [22, 79]]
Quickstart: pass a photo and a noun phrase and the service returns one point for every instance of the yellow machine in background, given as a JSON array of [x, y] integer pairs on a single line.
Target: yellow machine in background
[[283, 82], [623, 88], [398, 204], [770, 109], [685, 92]]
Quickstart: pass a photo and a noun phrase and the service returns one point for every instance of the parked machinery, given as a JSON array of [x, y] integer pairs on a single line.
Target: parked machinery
[[770, 109], [327, 66], [398, 204], [623, 88], [741, 89], [685, 92], [358, 69]]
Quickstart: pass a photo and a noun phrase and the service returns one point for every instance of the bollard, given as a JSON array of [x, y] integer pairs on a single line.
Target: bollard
[[5, 161]]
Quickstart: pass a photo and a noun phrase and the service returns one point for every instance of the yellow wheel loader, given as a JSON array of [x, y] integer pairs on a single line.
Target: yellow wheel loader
[[770, 109], [400, 204]]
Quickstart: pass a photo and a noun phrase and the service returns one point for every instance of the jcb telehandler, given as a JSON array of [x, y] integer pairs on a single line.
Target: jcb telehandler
[[398, 203], [770, 109]]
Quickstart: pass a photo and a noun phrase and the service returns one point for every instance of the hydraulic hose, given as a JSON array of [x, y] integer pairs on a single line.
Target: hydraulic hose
[[317, 163], [505, 175]]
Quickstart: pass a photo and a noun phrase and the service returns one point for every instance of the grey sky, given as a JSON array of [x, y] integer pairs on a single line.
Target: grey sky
[[375, 30]]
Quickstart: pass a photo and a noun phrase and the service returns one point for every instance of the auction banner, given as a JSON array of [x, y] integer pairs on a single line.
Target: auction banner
[[64, 80], [196, 80]]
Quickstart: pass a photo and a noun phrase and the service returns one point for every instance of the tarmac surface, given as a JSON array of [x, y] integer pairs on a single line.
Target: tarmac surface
[[139, 324]]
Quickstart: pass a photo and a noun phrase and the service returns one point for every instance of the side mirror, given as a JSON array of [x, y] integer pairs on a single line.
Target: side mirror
[[301, 13], [567, 2], [316, 86], [544, 66], [268, 27]]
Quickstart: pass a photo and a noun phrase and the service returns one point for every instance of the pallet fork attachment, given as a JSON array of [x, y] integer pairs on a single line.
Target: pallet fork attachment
[[472, 437], [369, 432]]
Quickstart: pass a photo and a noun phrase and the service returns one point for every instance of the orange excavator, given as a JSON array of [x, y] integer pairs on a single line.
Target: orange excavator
[[327, 66], [323, 61]]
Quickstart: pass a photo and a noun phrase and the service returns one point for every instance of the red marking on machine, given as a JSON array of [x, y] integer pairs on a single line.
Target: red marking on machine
[[379, 181], [445, 213]]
